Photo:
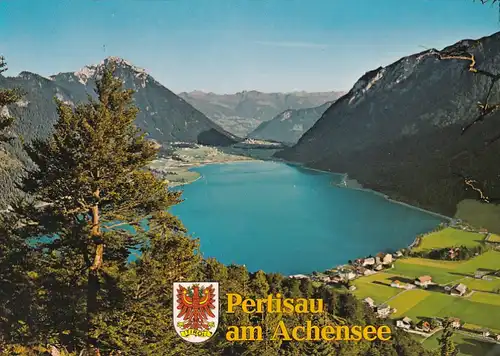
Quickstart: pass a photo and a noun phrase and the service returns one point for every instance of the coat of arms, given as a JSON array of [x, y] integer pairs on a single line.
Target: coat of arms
[[196, 310]]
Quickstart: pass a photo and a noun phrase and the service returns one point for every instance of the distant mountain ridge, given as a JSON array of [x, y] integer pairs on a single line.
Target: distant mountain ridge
[[290, 125], [399, 129], [164, 116], [240, 113]]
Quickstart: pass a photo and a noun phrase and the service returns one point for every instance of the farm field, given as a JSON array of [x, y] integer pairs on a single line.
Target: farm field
[[428, 304], [376, 286], [467, 345], [446, 271], [477, 309], [482, 285], [407, 300], [474, 327], [494, 238], [487, 298], [449, 237]]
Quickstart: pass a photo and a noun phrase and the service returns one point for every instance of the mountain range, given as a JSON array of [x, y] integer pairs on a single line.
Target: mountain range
[[242, 112], [290, 125], [405, 129], [164, 116]]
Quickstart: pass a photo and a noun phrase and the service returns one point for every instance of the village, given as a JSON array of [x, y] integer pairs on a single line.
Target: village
[[418, 295]]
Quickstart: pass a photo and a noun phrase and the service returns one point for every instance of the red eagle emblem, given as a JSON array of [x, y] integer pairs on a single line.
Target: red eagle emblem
[[195, 305]]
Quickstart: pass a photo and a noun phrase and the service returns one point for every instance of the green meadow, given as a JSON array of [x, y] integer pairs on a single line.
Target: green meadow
[[479, 214], [448, 271], [435, 304], [467, 345], [377, 286], [449, 237]]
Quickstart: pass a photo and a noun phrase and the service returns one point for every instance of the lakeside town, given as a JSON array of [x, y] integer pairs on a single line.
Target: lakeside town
[[418, 289], [179, 158]]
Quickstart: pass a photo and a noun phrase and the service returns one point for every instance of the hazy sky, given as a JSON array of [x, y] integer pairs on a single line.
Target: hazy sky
[[231, 45]]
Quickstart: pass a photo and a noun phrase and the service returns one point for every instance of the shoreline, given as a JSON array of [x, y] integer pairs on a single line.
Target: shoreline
[[358, 186], [202, 164], [345, 183], [355, 186]]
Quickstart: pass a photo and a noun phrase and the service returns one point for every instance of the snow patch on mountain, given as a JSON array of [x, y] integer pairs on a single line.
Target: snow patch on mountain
[[86, 73], [286, 115], [4, 112], [22, 103], [94, 71], [363, 85]]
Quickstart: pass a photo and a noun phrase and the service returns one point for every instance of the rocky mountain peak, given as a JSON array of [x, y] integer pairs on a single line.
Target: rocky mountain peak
[[399, 129], [94, 70]]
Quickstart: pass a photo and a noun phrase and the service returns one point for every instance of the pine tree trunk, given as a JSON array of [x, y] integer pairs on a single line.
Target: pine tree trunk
[[93, 275]]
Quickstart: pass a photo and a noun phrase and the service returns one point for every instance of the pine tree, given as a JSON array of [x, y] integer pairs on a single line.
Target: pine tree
[[141, 323], [90, 174], [446, 343], [7, 97]]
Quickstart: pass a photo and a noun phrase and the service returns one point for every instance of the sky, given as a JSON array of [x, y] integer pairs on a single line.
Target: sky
[[225, 46]]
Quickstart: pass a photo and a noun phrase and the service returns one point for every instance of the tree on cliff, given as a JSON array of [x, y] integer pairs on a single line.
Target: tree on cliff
[[91, 173]]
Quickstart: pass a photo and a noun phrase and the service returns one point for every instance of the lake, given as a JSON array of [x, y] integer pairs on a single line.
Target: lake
[[283, 218]]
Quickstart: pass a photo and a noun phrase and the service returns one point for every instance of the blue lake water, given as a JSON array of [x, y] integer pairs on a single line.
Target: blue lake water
[[282, 218]]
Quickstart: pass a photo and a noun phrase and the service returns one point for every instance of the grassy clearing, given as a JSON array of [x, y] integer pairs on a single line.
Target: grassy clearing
[[476, 328], [473, 312], [479, 214], [467, 345], [469, 311], [429, 307], [449, 265], [415, 267], [407, 300], [449, 271], [487, 298], [488, 260], [494, 238], [376, 286], [449, 237], [481, 284]]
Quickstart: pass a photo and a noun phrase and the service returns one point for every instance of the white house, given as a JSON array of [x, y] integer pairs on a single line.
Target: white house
[[369, 261], [387, 259], [299, 276], [347, 275], [397, 284], [404, 323], [480, 274], [324, 279], [455, 322], [370, 302], [383, 311], [459, 290], [423, 281]]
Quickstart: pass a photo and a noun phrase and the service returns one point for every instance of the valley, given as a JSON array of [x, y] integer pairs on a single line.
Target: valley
[[297, 172], [176, 168]]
